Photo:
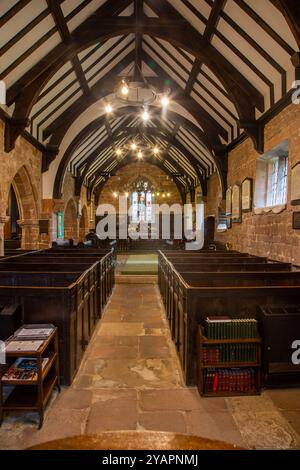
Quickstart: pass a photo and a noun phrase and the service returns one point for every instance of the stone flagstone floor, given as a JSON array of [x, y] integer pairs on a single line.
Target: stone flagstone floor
[[130, 380]]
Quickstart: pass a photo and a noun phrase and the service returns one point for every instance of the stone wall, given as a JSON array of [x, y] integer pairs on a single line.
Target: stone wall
[[267, 234], [130, 173], [22, 168]]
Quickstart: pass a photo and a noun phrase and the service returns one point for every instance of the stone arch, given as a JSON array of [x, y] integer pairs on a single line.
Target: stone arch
[[26, 194], [27, 200], [71, 221], [84, 224]]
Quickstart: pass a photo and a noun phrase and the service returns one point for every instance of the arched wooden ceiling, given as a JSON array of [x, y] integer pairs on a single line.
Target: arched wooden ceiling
[[227, 63]]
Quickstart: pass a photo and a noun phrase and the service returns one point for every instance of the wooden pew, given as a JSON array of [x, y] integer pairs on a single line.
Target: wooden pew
[[67, 295], [192, 296], [62, 258]]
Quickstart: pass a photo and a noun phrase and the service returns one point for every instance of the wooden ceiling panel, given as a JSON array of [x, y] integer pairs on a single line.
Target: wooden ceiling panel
[[251, 52], [97, 75], [31, 56], [242, 67], [7, 6], [203, 82], [247, 70], [61, 74], [188, 14], [181, 80], [21, 20], [128, 11], [51, 114], [272, 16], [234, 13], [83, 13], [58, 92], [98, 51]]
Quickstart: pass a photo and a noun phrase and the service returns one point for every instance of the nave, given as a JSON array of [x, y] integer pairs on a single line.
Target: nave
[[131, 379]]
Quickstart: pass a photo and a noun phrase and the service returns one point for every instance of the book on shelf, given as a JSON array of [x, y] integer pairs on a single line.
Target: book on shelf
[[229, 380], [23, 346], [224, 327], [24, 368], [240, 352]]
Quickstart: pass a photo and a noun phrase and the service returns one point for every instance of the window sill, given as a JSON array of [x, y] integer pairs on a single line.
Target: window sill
[[274, 209]]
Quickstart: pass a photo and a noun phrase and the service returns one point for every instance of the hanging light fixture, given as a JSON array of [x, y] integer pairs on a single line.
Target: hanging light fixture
[[165, 101], [145, 115], [139, 92]]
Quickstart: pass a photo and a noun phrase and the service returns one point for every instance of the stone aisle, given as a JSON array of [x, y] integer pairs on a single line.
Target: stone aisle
[[130, 380]]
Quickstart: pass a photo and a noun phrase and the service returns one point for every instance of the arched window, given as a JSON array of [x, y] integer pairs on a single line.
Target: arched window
[[135, 207], [142, 207]]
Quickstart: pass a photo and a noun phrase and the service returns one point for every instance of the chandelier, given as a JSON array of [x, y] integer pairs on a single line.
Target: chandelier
[[142, 185], [138, 92], [137, 149]]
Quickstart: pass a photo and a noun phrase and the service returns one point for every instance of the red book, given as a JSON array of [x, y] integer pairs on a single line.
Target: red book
[[215, 382]]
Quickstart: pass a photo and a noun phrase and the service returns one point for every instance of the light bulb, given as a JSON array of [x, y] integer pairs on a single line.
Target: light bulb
[[133, 146], [124, 88], [165, 101], [118, 152], [140, 155], [145, 115], [157, 194], [126, 194], [156, 150], [168, 194], [108, 108], [163, 195], [115, 195]]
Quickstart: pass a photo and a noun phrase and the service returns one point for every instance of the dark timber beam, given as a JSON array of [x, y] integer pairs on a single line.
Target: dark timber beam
[[167, 136], [124, 111], [148, 132], [205, 120], [255, 130], [179, 33], [212, 21], [102, 88], [139, 14], [291, 11]]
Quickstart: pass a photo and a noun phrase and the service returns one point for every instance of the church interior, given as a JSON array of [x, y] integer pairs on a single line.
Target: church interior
[[150, 224]]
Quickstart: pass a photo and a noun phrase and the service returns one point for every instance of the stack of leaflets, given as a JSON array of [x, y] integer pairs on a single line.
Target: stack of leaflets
[[24, 368], [34, 331]]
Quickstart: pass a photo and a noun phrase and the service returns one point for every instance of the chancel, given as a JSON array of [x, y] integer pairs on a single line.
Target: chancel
[[149, 225]]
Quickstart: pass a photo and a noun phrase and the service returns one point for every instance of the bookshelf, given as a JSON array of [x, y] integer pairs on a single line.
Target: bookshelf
[[32, 370], [228, 366]]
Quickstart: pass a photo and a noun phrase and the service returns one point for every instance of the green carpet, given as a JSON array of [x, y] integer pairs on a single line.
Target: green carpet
[[144, 264]]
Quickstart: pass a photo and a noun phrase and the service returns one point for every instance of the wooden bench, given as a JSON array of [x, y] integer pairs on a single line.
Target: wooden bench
[[66, 294], [191, 296]]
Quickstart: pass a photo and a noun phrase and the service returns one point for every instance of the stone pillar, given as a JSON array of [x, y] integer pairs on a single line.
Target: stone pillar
[[3, 220], [30, 234]]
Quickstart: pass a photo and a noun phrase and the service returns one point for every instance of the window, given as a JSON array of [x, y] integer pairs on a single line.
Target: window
[[271, 180], [142, 207]]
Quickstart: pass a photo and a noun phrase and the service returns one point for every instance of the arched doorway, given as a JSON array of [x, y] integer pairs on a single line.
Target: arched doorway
[[84, 224], [12, 230], [22, 209], [71, 221]]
